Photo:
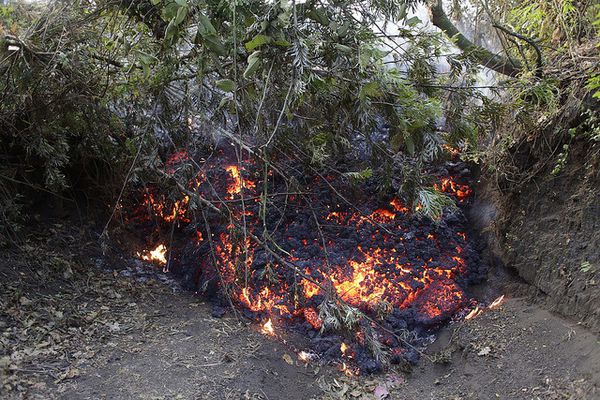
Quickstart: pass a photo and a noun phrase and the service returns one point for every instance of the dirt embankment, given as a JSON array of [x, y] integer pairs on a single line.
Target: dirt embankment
[[548, 231]]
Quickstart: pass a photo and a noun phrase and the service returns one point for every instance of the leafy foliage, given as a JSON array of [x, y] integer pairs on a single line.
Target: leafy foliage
[[94, 92]]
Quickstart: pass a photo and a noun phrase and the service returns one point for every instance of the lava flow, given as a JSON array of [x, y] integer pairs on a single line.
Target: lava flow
[[406, 271]]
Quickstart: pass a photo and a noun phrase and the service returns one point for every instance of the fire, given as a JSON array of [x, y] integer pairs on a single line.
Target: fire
[[348, 370], [454, 151], [378, 260], [312, 318], [496, 303], [267, 328], [473, 313], [343, 348], [236, 186], [157, 255], [346, 351], [238, 183], [310, 289], [449, 185], [165, 210], [478, 311], [398, 206], [174, 159], [306, 357]]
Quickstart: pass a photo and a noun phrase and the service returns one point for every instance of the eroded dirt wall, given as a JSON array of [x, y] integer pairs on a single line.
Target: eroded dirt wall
[[548, 231]]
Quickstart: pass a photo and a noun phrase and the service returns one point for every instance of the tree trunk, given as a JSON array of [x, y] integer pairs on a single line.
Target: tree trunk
[[498, 63]]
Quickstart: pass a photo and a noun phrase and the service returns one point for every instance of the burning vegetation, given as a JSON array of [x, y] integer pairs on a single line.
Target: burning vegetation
[[377, 278]]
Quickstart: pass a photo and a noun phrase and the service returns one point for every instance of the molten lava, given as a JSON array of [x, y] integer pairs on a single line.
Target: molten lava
[[450, 186], [238, 182], [382, 260]]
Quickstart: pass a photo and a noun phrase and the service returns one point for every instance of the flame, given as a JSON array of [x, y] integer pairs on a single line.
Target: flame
[[348, 370], [454, 151], [343, 348], [236, 186], [450, 186], [267, 328], [174, 159], [335, 216], [238, 183], [346, 350], [398, 206], [157, 255], [167, 212], [496, 303], [478, 311], [473, 313], [382, 273], [309, 288], [313, 318], [305, 357]]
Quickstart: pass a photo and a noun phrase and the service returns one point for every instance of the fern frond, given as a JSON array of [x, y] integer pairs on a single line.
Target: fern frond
[[432, 203]]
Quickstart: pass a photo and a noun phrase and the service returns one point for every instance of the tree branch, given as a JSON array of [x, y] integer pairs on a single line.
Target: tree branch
[[532, 43], [498, 63]]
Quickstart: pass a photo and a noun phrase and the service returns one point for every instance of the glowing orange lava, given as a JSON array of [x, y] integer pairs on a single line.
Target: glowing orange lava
[[449, 185], [379, 259], [239, 183]]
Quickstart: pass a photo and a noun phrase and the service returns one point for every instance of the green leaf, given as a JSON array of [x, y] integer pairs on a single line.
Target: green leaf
[[205, 27], [281, 43], [371, 89], [319, 15], [226, 85], [410, 144], [396, 141], [360, 175], [215, 45], [224, 101], [343, 48], [181, 14], [402, 11], [155, 2], [433, 203], [254, 63], [257, 41], [343, 30], [285, 5], [171, 30], [146, 69], [414, 21], [182, 3], [283, 19], [169, 11]]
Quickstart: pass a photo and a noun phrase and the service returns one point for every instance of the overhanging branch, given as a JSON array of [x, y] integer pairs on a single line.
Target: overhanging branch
[[532, 43], [498, 63]]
